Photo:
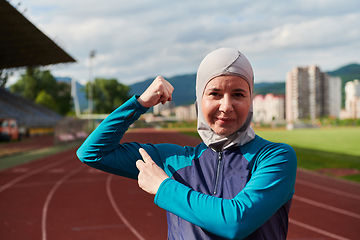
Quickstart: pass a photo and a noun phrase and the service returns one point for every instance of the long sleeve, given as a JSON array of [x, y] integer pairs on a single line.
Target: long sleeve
[[271, 185], [102, 150]]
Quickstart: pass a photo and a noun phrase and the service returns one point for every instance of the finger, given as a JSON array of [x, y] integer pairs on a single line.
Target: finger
[[164, 98], [146, 157], [140, 164], [159, 78], [157, 96], [167, 94], [169, 89]]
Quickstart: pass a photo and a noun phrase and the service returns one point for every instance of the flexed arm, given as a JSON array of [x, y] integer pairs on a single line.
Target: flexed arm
[[101, 149]]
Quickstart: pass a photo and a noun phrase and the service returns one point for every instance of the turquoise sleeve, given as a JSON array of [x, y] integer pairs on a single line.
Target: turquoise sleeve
[[102, 150], [271, 186]]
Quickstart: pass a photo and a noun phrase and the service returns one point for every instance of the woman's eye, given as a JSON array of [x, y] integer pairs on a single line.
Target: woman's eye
[[239, 95], [215, 94]]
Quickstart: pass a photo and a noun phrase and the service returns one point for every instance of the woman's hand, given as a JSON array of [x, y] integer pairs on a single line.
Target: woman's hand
[[151, 175], [159, 91]]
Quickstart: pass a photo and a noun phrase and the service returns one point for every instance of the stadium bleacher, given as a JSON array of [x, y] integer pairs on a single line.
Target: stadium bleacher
[[27, 114]]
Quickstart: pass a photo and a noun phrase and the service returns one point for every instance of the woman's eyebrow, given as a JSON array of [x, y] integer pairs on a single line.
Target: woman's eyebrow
[[239, 90], [213, 89]]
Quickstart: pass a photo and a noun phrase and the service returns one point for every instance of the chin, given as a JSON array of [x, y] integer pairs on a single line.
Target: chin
[[224, 132]]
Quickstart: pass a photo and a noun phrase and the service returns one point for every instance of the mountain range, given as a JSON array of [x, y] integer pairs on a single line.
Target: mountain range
[[184, 85]]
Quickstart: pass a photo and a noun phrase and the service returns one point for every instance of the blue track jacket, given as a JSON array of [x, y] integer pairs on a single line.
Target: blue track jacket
[[240, 193]]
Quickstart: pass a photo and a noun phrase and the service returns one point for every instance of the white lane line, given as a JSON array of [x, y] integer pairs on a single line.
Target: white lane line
[[314, 229], [43, 183], [35, 171], [327, 189], [117, 210], [51, 194], [326, 177], [327, 207]]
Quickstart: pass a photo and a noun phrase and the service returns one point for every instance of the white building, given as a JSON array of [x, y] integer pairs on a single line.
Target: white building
[[169, 112], [164, 110], [186, 113], [334, 96], [352, 99], [269, 108], [311, 94]]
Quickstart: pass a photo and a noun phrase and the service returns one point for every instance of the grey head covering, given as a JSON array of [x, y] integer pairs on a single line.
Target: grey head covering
[[224, 61]]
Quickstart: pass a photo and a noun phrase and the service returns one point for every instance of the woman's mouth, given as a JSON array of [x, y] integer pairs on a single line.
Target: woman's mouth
[[222, 120]]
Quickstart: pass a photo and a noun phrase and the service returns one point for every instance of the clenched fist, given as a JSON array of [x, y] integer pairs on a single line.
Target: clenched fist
[[159, 91]]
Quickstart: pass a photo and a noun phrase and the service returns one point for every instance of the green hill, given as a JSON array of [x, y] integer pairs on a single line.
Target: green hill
[[184, 93], [346, 73], [350, 72], [184, 88], [265, 88]]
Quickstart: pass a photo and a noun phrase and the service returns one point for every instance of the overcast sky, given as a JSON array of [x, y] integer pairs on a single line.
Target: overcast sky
[[138, 39]]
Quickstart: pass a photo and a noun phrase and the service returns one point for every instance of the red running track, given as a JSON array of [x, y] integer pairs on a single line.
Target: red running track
[[58, 197]]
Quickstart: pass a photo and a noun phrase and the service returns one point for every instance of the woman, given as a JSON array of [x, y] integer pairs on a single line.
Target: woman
[[234, 185]]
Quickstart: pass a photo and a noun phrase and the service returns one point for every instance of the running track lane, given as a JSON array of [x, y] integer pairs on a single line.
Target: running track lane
[[57, 197]]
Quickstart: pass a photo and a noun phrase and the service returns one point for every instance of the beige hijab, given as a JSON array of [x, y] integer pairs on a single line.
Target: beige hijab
[[224, 61]]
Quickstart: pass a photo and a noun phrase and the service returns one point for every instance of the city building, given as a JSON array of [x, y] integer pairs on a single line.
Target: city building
[[166, 109], [186, 113], [168, 112], [334, 96], [352, 99], [311, 94], [269, 108]]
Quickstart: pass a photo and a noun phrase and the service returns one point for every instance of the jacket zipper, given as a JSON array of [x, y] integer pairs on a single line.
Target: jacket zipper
[[218, 172]]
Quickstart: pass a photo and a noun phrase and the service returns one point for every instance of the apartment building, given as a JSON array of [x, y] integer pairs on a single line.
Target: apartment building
[[352, 99], [333, 98], [186, 113], [166, 109], [311, 94], [170, 112], [269, 108]]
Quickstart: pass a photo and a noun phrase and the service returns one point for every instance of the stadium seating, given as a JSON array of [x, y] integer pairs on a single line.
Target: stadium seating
[[27, 113]]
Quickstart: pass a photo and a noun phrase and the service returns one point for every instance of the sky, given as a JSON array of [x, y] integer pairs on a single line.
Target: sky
[[140, 39]]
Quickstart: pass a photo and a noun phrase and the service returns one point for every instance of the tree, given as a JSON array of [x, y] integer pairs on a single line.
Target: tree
[[63, 98], [108, 94], [34, 81], [4, 75], [46, 100]]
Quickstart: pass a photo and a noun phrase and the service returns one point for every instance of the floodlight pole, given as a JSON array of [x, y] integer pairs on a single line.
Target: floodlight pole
[[90, 93]]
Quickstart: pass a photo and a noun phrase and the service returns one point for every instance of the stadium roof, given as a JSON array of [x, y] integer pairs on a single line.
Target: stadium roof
[[22, 44]]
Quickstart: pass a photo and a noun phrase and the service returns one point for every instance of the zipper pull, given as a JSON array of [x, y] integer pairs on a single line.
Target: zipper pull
[[217, 173]]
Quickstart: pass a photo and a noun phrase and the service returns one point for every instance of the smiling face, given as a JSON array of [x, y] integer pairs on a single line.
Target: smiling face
[[225, 104]]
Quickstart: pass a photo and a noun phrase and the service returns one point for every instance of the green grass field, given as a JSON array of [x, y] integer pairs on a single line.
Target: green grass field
[[325, 148], [28, 156], [336, 140]]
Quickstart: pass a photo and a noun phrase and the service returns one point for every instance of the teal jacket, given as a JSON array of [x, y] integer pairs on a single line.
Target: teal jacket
[[240, 193]]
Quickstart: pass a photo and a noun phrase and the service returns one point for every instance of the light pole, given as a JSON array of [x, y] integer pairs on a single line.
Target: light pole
[[90, 93]]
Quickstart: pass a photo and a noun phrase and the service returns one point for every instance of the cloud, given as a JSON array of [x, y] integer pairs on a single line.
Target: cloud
[[138, 39]]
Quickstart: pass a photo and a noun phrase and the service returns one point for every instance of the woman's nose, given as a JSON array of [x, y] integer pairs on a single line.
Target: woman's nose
[[226, 104]]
